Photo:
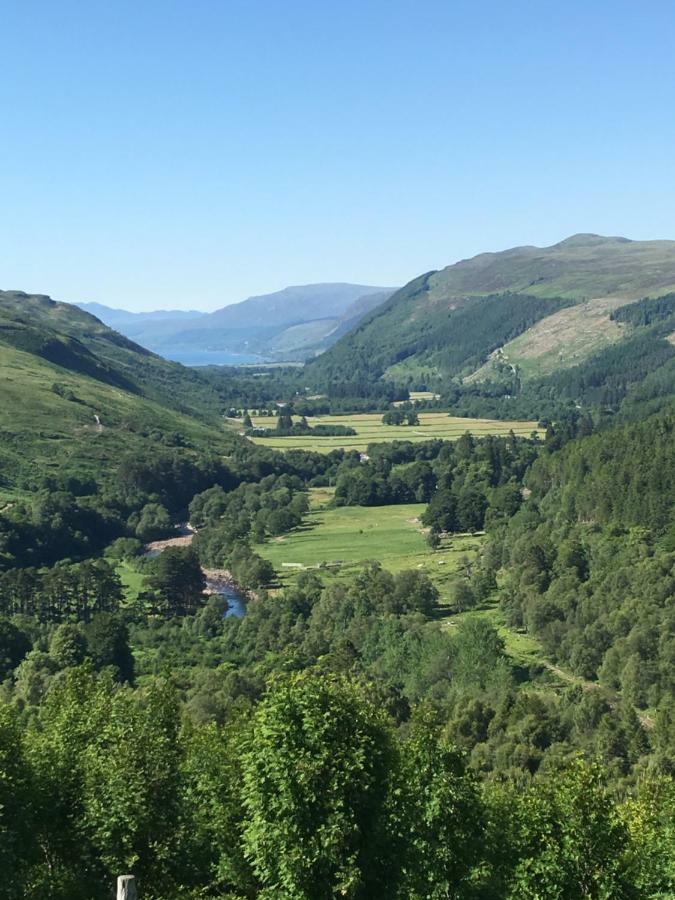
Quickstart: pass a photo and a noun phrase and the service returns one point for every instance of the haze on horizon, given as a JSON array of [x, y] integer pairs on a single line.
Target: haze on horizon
[[192, 155]]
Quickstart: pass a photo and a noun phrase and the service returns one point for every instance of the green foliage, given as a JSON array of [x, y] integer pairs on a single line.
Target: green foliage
[[213, 794], [105, 770], [285, 427], [647, 311], [399, 416], [177, 581], [18, 849], [648, 817], [582, 567], [314, 796], [130, 770], [397, 331], [154, 522], [67, 646], [571, 841], [64, 593], [107, 642], [14, 645], [440, 815], [314, 791]]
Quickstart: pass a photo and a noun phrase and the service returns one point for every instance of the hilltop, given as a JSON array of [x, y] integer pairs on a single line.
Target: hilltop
[[527, 312], [582, 267]]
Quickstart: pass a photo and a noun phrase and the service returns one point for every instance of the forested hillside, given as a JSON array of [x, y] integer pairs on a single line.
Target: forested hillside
[[588, 564], [450, 339], [524, 332]]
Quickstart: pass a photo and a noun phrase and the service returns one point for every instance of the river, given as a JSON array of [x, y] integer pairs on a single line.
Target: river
[[218, 581]]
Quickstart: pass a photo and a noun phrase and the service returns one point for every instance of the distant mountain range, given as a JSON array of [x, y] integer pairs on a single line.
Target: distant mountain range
[[292, 324]]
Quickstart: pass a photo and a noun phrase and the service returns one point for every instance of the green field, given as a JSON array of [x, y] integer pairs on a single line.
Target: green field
[[133, 582], [336, 542], [370, 430]]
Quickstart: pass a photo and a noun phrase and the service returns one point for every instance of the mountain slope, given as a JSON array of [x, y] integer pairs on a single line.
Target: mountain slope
[[146, 328], [294, 323], [300, 303], [423, 329], [68, 336], [77, 397], [583, 266], [115, 318]]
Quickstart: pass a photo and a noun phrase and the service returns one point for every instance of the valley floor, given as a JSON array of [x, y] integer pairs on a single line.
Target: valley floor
[[337, 541], [370, 430]]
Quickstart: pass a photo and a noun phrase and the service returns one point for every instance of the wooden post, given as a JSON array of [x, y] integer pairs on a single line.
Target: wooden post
[[126, 888]]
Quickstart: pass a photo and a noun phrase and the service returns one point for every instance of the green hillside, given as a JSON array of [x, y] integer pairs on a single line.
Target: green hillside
[[79, 342], [529, 300], [77, 396], [582, 267]]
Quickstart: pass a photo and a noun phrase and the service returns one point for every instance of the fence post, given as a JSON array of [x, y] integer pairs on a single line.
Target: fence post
[[126, 888]]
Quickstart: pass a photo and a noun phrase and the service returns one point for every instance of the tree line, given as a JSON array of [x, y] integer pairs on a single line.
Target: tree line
[[109, 780]]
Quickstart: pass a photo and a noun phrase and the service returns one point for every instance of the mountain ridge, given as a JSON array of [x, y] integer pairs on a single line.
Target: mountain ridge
[[295, 322], [403, 338]]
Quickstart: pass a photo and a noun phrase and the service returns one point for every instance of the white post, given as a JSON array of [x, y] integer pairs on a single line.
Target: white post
[[126, 888]]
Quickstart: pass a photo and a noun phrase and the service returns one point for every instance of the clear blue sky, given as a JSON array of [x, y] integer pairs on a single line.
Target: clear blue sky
[[189, 154]]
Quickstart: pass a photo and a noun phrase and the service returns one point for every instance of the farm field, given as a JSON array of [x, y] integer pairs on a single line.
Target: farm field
[[418, 395], [370, 430], [336, 542]]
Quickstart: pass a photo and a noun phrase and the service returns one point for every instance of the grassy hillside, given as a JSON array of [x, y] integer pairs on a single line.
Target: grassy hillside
[[527, 301], [583, 267], [76, 396], [77, 341]]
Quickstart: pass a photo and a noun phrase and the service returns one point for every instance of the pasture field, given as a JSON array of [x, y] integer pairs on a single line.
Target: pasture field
[[336, 542], [370, 430]]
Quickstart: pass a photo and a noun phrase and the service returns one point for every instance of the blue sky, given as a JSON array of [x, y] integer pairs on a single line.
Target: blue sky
[[190, 154]]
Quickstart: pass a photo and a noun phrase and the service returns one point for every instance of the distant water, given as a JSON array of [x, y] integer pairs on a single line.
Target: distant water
[[210, 357]]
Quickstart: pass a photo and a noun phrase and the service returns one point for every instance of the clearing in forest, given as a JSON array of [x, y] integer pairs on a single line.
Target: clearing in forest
[[335, 542]]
